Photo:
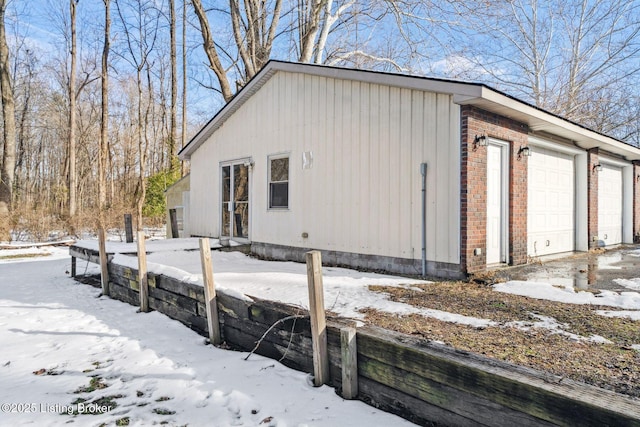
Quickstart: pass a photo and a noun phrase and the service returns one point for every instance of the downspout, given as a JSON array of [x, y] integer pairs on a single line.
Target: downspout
[[423, 171]]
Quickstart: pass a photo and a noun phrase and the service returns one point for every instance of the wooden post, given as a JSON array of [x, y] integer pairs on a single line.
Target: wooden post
[[349, 353], [142, 273], [173, 218], [73, 266], [128, 228], [213, 322], [104, 272], [318, 320]]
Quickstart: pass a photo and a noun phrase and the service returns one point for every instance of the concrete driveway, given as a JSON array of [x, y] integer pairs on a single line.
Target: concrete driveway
[[612, 269]]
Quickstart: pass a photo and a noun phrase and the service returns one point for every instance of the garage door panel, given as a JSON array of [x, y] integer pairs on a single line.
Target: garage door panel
[[610, 205], [551, 218]]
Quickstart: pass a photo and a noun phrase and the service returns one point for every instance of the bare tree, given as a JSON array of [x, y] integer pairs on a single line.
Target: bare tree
[[73, 184], [565, 55], [8, 114], [173, 133], [141, 36], [309, 12], [184, 81], [104, 121], [254, 31], [211, 51]]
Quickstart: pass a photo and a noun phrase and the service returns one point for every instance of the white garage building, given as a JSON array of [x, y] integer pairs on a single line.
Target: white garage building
[[316, 157]]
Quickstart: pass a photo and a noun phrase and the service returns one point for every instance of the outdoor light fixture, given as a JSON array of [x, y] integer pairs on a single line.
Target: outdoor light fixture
[[480, 141], [597, 167], [524, 152]]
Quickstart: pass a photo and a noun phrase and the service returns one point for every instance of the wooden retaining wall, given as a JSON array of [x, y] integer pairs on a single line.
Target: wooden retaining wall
[[426, 383]]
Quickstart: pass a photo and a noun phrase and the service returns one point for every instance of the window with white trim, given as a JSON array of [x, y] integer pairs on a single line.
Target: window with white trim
[[279, 182]]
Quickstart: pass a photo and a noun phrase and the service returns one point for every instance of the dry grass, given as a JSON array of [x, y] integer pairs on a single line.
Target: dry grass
[[613, 366]]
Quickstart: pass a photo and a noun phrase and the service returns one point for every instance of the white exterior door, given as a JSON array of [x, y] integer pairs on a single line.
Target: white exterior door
[[496, 203], [551, 202], [610, 205]]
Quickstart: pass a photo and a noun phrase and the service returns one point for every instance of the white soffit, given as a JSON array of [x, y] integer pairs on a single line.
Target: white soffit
[[541, 121]]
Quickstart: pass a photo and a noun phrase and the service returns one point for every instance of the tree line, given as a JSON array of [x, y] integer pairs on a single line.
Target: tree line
[[95, 110]]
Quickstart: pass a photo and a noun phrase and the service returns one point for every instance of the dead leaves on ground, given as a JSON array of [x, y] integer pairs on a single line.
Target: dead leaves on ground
[[613, 366]]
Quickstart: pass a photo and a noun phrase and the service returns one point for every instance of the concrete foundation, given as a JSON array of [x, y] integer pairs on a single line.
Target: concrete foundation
[[406, 266]]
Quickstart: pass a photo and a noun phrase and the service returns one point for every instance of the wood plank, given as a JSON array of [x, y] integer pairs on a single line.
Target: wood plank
[[117, 278], [349, 363], [264, 313], [279, 334], [104, 270], [173, 221], [213, 324], [124, 294], [175, 286], [142, 273], [193, 321], [293, 359], [232, 306], [128, 228], [318, 321], [390, 400], [441, 395], [17, 245], [84, 254], [187, 304], [512, 386]]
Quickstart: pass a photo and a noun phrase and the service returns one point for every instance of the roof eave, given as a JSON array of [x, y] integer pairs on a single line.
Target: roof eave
[[540, 121]]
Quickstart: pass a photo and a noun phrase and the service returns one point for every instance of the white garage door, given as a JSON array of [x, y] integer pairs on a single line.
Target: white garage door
[[551, 201], [610, 205]]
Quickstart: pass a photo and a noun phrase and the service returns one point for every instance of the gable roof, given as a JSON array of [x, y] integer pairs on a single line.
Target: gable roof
[[464, 93]]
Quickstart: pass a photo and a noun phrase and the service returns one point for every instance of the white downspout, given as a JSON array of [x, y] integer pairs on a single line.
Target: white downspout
[[423, 172]]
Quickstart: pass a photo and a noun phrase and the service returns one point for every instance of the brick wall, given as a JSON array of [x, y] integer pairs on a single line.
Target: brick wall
[[592, 197], [518, 196], [473, 197]]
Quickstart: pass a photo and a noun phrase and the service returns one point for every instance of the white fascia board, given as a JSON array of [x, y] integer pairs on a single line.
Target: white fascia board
[[541, 120]]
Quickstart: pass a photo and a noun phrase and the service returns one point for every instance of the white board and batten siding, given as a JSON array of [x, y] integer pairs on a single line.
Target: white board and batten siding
[[362, 193]]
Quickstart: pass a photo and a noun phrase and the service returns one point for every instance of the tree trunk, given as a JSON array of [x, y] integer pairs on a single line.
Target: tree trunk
[[9, 152], [72, 120], [184, 82], [104, 122], [210, 49], [173, 133]]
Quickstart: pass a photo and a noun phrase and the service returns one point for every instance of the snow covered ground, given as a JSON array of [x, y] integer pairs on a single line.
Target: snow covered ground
[[346, 291], [57, 335]]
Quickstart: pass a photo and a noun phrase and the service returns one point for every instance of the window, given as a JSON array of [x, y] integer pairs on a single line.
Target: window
[[279, 182]]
